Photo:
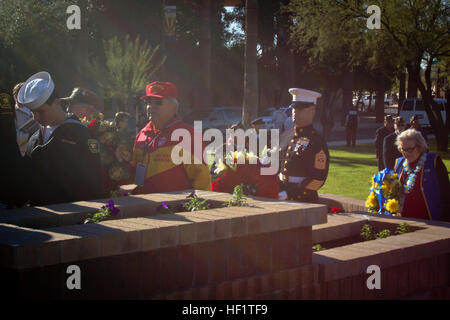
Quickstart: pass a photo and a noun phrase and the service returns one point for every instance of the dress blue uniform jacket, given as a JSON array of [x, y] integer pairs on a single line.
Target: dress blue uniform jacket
[[429, 184]]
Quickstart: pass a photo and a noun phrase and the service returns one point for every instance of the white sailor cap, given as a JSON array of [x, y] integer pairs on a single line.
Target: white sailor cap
[[36, 90], [303, 95]]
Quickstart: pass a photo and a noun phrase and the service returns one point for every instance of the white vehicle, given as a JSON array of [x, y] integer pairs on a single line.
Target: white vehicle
[[366, 100], [414, 106]]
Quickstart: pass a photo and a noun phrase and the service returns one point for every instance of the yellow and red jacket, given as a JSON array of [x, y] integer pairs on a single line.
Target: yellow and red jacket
[[154, 148]]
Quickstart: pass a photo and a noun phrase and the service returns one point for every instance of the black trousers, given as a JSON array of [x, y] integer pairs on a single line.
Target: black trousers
[[351, 136]]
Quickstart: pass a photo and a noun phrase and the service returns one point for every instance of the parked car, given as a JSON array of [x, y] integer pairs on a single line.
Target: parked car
[[222, 118], [414, 106]]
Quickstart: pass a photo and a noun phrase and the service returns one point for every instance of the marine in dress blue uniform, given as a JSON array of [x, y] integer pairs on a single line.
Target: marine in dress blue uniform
[[305, 160]]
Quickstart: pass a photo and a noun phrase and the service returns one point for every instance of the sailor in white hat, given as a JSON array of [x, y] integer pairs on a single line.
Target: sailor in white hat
[[305, 160], [63, 155]]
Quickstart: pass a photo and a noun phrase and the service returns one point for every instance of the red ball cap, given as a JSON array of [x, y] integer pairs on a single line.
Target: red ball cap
[[160, 89]]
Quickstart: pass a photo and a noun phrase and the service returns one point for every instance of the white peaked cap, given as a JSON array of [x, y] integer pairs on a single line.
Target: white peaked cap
[[303, 95], [36, 90]]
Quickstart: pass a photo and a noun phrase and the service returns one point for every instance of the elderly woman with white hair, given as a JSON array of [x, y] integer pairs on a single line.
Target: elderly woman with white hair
[[424, 179]]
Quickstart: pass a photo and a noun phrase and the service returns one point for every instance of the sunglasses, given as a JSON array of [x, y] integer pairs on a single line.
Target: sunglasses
[[154, 102]]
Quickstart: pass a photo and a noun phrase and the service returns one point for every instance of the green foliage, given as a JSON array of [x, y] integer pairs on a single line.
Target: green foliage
[[98, 217], [196, 203], [402, 228], [127, 69], [383, 234], [237, 199], [317, 247], [367, 232]]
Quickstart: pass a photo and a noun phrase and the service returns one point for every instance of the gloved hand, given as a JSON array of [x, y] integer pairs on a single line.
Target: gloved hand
[[282, 195]]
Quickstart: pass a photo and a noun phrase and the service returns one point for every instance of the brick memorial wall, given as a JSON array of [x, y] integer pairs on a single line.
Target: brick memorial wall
[[263, 251]]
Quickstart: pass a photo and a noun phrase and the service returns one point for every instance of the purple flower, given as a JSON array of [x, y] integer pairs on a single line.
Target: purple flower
[[210, 205], [111, 208], [162, 206], [180, 206]]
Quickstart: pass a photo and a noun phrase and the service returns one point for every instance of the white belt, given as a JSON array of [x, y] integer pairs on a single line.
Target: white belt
[[291, 179]]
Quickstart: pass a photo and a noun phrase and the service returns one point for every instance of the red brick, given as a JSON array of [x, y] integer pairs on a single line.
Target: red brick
[[185, 266], [266, 283], [320, 291], [202, 259], [281, 281], [305, 246], [235, 267], [424, 275], [264, 253], [345, 288], [219, 259], [391, 287], [307, 275], [294, 278], [252, 287], [295, 293], [151, 266], [333, 290], [443, 266], [168, 273], [403, 280], [223, 291], [413, 274], [250, 256], [130, 268], [307, 292], [358, 287], [239, 288]]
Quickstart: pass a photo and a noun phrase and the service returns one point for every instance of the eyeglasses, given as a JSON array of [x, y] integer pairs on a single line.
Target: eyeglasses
[[408, 150], [154, 102]]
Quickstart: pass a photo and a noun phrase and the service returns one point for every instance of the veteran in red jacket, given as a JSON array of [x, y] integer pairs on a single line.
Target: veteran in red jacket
[[155, 168]]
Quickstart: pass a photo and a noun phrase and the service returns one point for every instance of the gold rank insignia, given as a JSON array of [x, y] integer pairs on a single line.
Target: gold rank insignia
[[320, 160], [5, 104], [314, 185], [94, 146]]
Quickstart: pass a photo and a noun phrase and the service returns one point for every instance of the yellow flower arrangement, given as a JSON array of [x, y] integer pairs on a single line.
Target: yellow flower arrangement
[[385, 192], [393, 206]]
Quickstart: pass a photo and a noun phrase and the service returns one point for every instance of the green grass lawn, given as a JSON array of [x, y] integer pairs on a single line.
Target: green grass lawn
[[351, 170]]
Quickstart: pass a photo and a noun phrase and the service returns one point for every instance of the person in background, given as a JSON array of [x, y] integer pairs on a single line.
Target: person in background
[[351, 127], [82, 103], [278, 118], [423, 177], [121, 124], [414, 122], [327, 123], [63, 157], [390, 151], [380, 134]]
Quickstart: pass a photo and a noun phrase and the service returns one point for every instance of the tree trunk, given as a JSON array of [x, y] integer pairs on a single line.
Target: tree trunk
[[379, 102], [250, 103], [401, 93], [205, 55], [441, 131], [412, 85]]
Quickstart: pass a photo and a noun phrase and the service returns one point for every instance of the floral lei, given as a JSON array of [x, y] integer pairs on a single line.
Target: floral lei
[[412, 175]]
